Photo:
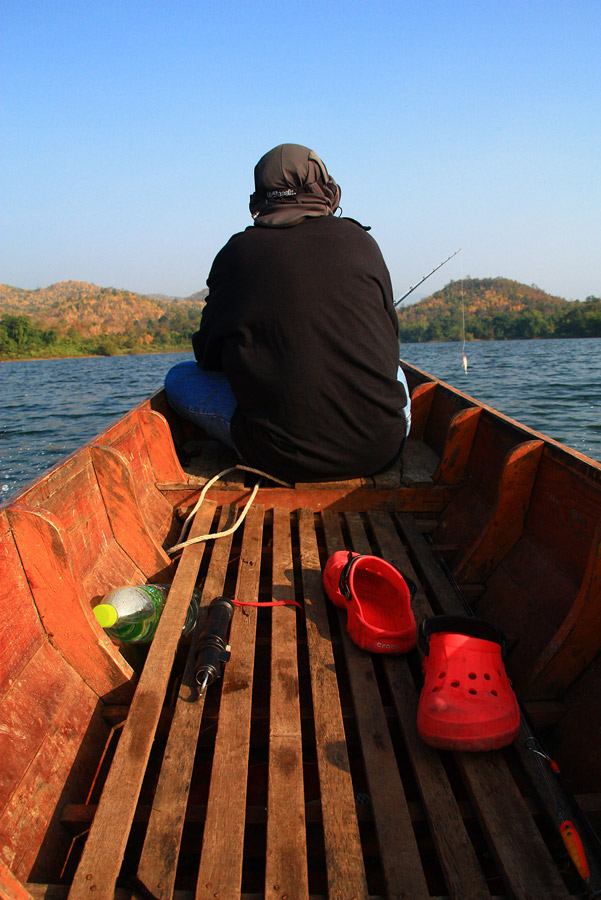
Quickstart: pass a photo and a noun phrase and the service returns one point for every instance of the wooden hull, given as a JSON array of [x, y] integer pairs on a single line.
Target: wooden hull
[[301, 773]]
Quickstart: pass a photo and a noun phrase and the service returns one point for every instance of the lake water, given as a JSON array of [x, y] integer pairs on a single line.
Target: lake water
[[50, 407]]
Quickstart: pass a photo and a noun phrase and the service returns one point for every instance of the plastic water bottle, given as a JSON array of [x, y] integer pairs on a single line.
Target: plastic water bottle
[[131, 614]]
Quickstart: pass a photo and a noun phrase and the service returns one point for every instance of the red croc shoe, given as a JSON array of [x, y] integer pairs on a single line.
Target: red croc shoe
[[467, 702], [377, 598]]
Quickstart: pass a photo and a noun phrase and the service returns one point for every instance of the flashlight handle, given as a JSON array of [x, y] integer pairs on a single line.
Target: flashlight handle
[[213, 652]]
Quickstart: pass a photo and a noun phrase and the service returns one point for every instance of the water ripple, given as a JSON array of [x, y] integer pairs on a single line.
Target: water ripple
[[50, 407]]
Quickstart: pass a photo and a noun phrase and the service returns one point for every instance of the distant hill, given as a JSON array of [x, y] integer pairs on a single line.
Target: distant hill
[[497, 309], [77, 318], [89, 309]]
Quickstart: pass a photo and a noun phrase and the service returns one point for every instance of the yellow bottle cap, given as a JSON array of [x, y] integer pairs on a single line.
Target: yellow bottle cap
[[106, 614]]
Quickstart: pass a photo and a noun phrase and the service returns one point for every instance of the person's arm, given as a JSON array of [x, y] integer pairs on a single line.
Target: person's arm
[[206, 345], [208, 340]]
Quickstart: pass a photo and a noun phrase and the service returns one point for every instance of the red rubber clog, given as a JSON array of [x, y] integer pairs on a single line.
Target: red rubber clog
[[377, 598], [467, 702]]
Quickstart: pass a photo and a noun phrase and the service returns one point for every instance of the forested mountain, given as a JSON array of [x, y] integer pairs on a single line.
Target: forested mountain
[[73, 318], [497, 309]]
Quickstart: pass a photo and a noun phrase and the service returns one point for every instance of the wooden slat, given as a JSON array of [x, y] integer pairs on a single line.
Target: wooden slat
[[78, 816], [524, 861], [418, 463], [158, 863], [403, 870], [286, 871], [220, 870], [344, 858], [456, 854], [105, 846]]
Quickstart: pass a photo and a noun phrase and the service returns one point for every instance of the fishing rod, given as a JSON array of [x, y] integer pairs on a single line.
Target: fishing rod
[[397, 303]]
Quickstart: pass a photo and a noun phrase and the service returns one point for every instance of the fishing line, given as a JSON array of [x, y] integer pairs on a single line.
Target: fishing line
[[463, 357]]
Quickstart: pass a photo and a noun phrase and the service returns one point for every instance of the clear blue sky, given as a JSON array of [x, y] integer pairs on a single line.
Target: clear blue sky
[[130, 131]]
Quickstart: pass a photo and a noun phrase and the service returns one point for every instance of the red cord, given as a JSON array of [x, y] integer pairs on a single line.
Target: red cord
[[268, 603]]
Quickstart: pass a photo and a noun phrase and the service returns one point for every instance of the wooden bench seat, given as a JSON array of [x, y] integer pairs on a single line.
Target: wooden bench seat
[[301, 773]]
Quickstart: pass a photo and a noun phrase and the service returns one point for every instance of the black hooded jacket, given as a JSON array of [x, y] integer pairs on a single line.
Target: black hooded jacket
[[300, 318]]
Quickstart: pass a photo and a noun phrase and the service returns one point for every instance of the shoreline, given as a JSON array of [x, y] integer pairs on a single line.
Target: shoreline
[[92, 356]]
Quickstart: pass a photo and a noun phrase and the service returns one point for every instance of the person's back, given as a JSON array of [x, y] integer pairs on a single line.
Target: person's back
[[300, 320]]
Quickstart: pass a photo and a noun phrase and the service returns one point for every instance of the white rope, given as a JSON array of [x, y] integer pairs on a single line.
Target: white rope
[[210, 537]]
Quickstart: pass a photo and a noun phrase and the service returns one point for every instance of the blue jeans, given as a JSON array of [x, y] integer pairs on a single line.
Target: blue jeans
[[206, 399]]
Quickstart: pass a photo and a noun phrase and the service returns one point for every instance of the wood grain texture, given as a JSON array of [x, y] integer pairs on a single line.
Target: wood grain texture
[[223, 843], [462, 871], [286, 871], [160, 853], [160, 447], [39, 743], [103, 853], [129, 440], [344, 858], [403, 871], [22, 632], [118, 489], [457, 446]]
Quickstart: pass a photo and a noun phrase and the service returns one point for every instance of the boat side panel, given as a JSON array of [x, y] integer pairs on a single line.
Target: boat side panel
[[576, 736], [71, 494], [128, 439], [445, 405], [60, 600], [47, 715], [469, 513], [523, 596], [506, 521], [564, 512], [22, 632], [160, 446], [577, 642], [421, 404], [127, 523], [555, 568]]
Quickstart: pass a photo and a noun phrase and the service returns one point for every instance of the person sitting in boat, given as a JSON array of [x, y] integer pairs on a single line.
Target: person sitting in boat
[[297, 353]]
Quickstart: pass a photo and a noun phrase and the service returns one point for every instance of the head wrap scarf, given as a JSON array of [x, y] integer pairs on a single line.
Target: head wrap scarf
[[291, 184]]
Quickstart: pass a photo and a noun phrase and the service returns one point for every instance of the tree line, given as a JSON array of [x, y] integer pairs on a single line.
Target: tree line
[[582, 319], [497, 309], [22, 338]]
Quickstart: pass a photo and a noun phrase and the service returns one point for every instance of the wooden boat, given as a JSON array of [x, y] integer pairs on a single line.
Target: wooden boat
[[300, 773]]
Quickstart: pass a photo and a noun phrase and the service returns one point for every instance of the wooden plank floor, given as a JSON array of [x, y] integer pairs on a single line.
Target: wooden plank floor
[[301, 774]]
